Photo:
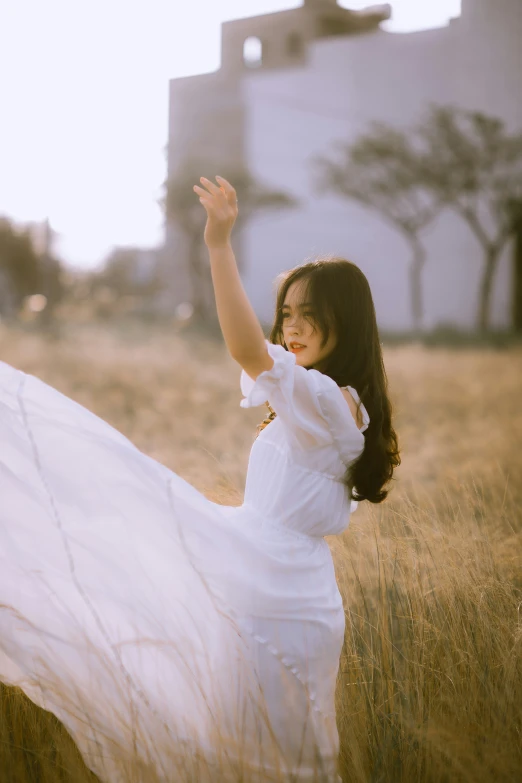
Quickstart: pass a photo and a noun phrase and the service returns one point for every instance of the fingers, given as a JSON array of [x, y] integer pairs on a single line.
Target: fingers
[[229, 190], [210, 189], [210, 186], [201, 191]]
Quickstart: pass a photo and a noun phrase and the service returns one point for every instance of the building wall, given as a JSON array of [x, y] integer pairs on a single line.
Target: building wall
[[489, 52], [206, 123], [297, 110]]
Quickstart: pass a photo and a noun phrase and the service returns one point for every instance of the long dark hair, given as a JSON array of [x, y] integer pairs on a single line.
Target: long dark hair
[[341, 300]]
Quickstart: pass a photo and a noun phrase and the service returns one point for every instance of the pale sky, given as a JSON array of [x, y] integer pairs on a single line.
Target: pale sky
[[84, 101]]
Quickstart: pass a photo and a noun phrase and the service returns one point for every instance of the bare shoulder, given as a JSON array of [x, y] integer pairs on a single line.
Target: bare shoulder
[[353, 408]]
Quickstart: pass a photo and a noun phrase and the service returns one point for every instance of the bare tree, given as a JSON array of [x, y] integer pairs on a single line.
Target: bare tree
[[182, 208], [129, 270], [52, 284], [19, 267], [26, 270], [383, 170], [474, 166], [516, 302]]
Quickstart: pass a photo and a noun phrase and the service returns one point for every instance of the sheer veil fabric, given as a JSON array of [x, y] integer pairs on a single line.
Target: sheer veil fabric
[[158, 624]]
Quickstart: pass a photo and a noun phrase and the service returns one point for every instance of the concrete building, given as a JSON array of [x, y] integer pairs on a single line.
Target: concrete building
[[290, 85]]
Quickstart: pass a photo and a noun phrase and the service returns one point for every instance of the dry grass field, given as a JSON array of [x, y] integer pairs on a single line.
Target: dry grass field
[[430, 686]]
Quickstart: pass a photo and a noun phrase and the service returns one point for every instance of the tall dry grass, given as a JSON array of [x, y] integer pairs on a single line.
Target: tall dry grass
[[430, 679]]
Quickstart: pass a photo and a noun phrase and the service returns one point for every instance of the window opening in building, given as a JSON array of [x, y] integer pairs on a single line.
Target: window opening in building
[[253, 52]]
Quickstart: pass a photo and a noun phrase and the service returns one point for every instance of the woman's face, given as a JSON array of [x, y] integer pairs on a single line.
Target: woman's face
[[299, 327]]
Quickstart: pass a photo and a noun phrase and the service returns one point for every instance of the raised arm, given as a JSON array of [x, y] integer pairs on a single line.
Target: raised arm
[[241, 329]]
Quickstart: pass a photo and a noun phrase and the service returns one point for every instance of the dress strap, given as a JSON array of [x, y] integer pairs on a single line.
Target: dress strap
[[366, 417]]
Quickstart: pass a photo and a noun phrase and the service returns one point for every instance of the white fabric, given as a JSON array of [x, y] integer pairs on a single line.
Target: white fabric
[[121, 584]]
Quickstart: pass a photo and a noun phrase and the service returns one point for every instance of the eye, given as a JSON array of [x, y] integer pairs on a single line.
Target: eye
[[305, 315]]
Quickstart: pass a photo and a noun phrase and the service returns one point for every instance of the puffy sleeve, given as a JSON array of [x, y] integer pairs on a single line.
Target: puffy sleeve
[[310, 404]]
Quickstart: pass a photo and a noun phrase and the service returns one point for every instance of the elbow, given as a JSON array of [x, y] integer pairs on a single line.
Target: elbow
[[255, 364]]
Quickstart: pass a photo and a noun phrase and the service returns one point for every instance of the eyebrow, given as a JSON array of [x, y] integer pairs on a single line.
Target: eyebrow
[[301, 306]]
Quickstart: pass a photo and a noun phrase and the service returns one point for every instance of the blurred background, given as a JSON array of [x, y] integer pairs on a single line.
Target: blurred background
[[389, 134]]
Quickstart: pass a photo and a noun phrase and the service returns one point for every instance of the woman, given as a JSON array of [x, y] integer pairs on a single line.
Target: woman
[[170, 632]]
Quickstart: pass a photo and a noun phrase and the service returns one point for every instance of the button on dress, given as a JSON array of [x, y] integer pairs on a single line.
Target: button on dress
[[180, 627]]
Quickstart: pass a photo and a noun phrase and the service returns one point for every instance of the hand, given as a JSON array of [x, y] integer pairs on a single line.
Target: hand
[[221, 207]]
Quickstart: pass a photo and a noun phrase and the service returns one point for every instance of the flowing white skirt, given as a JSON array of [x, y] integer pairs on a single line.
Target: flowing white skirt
[[162, 629]]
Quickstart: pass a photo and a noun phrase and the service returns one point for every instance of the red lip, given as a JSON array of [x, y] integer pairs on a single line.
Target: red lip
[[296, 350]]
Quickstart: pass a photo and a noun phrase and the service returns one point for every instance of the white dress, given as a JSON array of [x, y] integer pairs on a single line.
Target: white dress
[[125, 592]]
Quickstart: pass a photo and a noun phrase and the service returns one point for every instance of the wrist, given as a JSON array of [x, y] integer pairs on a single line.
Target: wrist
[[220, 246]]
